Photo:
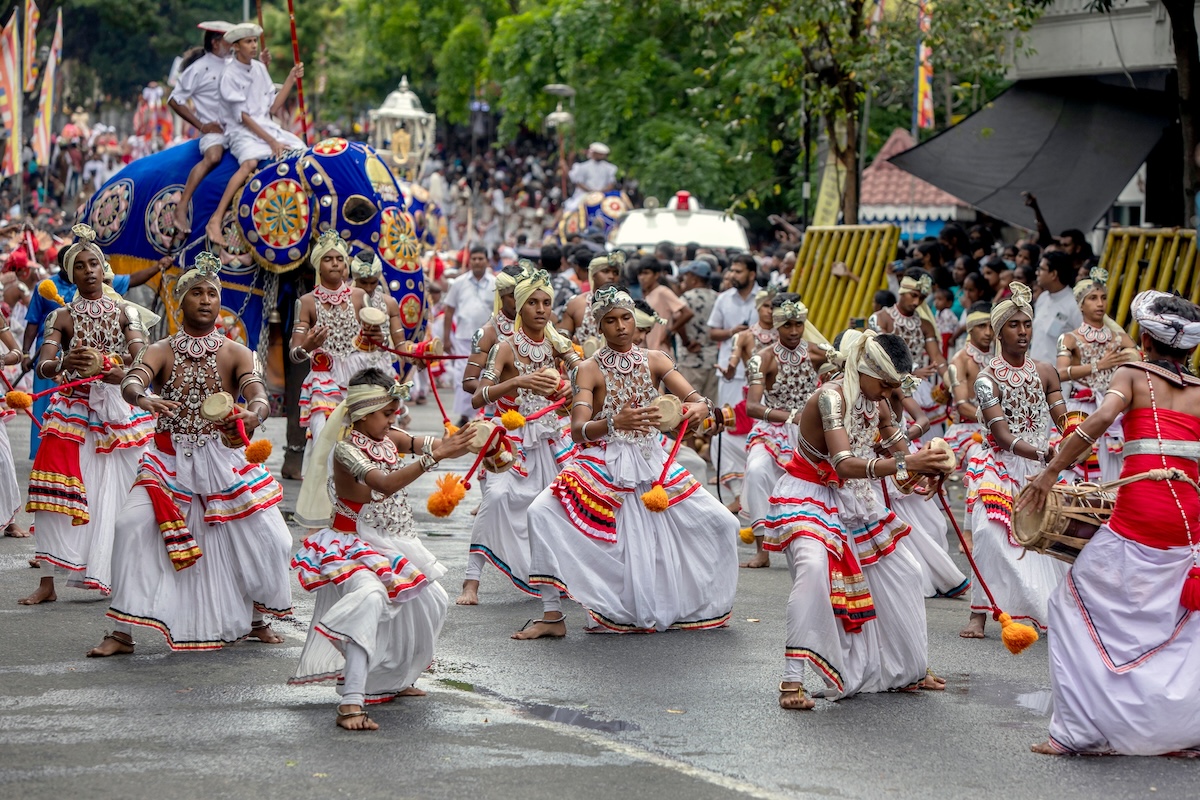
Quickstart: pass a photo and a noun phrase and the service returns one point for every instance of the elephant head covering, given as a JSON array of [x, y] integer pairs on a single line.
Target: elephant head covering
[[85, 241], [205, 269]]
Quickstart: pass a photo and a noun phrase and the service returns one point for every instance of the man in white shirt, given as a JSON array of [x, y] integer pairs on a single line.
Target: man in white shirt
[[1055, 311], [200, 83], [732, 313], [593, 175], [250, 103], [468, 306]]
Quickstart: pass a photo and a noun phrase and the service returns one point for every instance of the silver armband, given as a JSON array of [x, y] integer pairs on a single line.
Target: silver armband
[[829, 402], [130, 379], [489, 366], [135, 319], [1063, 350], [754, 374], [354, 460], [895, 438], [985, 393], [1058, 402], [476, 338], [427, 446], [839, 457]]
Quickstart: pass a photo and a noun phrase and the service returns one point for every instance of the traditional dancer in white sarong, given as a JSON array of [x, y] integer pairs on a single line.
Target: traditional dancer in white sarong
[[912, 320], [729, 447], [91, 438], [1087, 358], [324, 332], [379, 608], [10, 490], [499, 327], [521, 378], [1017, 398], [780, 379], [577, 322], [1125, 622], [855, 612], [592, 536], [201, 551], [965, 427]]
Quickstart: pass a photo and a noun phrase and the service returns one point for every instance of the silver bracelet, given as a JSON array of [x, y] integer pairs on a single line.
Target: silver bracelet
[[486, 399], [304, 355], [612, 430], [427, 463], [871, 468]]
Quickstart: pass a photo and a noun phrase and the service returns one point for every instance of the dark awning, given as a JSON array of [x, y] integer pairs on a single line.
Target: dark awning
[[1073, 142]]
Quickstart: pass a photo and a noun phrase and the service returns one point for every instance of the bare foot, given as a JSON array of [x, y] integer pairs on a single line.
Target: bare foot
[[793, 698], [974, 629], [967, 536], [475, 511], [216, 235], [15, 531], [734, 506], [470, 594], [35, 564], [263, 633], [44, 594], [932, 683], [761, 559], [1044, 748], [541, 629], [182, 228], [114, 644], [411, 691], [354, 718]]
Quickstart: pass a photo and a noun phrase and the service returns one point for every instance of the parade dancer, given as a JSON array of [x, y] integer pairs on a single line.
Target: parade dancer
[[781, 378], [91, 438], [201, 552], [1125, 627], [729, 446], [10, 490], [251, 103], [577, 322], [520, 376], [378, 607], [965, 365], [592, 536], [1018, 399], [499, 327], [326, 326], [470, 296], [1087, 358], [911, 320], [855, 612]]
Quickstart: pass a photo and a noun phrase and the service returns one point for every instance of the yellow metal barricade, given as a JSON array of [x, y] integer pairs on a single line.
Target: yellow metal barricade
[[866, 250], [1138, 259]]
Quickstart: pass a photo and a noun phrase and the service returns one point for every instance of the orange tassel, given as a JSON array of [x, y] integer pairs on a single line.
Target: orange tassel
[[449, 492], [258, 451], [1190, 597], [1016, 637], [18, 399], [48, 290], [656, 499], [512, 419], [450, 427], [977, 438], [747, 535]]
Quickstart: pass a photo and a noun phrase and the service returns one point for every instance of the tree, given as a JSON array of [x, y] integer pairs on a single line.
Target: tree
[[1187, 72], [820, 57]]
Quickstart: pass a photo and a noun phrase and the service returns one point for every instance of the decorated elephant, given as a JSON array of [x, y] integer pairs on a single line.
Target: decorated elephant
[[599, 210], [270, 227]]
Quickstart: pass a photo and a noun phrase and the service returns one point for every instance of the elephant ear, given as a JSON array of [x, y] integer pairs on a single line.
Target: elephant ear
[[274, 211]]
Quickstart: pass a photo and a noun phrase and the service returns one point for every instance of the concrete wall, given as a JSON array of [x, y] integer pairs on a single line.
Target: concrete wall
[[1069, 40]]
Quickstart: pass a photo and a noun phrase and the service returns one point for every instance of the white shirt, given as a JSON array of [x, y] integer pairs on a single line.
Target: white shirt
[[201, 83], [1053, 315], [246, 88], [728, 312], [472, 302], [592, 176]]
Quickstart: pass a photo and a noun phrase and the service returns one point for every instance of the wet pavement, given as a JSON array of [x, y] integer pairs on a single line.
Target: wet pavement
[[677, 715]]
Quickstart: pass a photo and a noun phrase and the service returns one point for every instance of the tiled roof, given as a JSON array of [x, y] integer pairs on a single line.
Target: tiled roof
[[883, 183]]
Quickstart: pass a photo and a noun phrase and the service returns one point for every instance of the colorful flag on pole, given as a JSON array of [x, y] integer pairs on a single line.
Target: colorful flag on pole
[[923, 94], [42, 134], [32, 17], [11, 95]]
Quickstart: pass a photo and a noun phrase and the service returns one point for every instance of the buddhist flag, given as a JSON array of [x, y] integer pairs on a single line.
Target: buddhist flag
[[11, 96], [42, 134], [32, 17], [923, 92]]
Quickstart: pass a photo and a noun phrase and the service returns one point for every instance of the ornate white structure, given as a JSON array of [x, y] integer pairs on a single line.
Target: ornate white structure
[[403, 131]]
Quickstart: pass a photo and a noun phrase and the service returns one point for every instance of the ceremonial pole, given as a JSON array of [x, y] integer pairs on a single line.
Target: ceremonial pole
[[296, 59], [262, 37]]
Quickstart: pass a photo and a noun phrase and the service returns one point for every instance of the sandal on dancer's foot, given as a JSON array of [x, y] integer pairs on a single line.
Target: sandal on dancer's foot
[[263, 629], [123, 645], [535, 634], [365, 724], [802, 701]]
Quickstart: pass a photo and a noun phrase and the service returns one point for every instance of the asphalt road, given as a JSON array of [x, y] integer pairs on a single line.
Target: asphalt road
[[676, 715]]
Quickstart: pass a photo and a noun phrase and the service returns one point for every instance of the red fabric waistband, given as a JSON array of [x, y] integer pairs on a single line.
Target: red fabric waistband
[[162, 441], [343, 523], [823, 473], [1147, 512]]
